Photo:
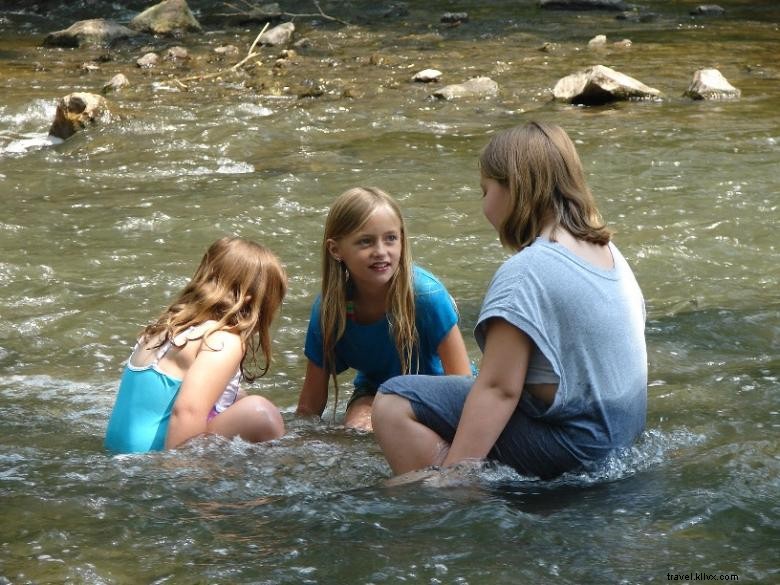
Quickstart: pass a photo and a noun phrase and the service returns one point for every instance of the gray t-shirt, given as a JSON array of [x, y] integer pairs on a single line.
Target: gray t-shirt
[[588, 327]]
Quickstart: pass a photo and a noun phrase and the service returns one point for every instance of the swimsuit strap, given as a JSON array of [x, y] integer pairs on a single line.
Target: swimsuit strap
[[163, 349]]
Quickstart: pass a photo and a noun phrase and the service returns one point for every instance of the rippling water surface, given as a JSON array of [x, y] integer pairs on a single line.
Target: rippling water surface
[[97, 232]]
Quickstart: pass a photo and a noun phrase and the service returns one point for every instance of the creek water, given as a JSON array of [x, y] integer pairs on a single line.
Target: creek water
[[98, 232]]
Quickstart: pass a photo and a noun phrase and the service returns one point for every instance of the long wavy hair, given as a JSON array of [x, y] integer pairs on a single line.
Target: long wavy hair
[[540, 166], [349, 212], [240, 284]]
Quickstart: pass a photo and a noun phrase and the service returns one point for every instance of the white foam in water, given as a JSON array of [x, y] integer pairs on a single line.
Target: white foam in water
[[651, 450], [30, 142], [231, 167]]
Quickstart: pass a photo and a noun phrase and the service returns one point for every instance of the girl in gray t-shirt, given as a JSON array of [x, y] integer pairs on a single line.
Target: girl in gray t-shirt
[[563, 379]]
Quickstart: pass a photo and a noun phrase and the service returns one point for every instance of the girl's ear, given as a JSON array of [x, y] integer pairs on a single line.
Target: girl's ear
[[333, 249]]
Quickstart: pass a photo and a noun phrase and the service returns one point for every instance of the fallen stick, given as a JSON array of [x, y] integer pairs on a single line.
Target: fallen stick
[[250, 55]]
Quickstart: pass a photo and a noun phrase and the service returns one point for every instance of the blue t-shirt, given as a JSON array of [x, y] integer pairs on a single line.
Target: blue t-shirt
[[370, 348]]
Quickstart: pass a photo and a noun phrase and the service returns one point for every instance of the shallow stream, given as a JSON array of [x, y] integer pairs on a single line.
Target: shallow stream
[[96, 233]]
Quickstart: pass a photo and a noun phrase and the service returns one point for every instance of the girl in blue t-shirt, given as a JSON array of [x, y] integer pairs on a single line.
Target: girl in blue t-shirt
[[377, 313], [182, 379]]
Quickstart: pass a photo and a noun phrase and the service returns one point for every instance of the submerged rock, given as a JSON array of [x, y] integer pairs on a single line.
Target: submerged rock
[[709, 84], [116, 83], [96, 31], [599, 85], [708, 10], [618, 5], [75, 111], [166, 18], [455, 17], [476, 87], [278, 35]]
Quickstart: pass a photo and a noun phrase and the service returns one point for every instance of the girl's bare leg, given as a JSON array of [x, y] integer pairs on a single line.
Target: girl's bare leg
[[407, 444], [253, 418]]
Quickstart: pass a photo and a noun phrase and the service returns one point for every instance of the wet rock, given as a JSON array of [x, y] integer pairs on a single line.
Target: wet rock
[[169, 17], [549, 47], [623, 44], [598, 41], [116, 83], [584, 5], [709, 84], [637, 16], [599, 85], [278, 35], [177, 54], [89, 67], [76, 111], [708, 10], [476, 87], [148, 60], [96, 31], [427, 75], [227, 51], [303, 43], [311, 89], [455, 17]]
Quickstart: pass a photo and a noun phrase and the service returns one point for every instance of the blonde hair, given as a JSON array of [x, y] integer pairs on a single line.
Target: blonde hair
[[349, 212], [539, 165], [239, 284]]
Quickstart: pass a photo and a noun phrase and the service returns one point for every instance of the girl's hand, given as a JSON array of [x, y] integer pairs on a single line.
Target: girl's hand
[[215, 364], [314, 394], [495, 393]]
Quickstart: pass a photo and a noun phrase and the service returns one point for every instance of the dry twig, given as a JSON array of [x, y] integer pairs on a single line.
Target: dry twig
[[250, 55]]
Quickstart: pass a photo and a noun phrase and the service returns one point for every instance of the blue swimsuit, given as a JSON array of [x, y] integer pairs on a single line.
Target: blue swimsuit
[[144, 402]]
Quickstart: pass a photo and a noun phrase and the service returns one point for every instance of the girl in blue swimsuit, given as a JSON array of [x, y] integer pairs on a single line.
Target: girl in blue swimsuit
[[182, 379]]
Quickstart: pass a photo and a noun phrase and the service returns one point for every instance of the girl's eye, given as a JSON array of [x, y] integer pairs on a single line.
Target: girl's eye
[[392, 238]]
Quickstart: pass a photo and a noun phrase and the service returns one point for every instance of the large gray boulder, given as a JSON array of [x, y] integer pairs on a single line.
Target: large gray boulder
[[476, 87], [709, 84], [96, 31], [169, 17], [76, 111], [600, 85]]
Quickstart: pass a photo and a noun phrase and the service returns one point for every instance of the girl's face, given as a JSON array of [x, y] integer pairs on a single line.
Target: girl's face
[[495, 201], [373, 252]]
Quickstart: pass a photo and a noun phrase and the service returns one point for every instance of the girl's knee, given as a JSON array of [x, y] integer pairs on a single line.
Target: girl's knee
[[268, 418], [253, 418], [389, 408]]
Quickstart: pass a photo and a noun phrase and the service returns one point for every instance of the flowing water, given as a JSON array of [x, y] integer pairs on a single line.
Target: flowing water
[[98, 232]]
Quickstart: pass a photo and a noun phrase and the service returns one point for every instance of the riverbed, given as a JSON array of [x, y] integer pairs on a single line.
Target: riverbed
[[99, 231]]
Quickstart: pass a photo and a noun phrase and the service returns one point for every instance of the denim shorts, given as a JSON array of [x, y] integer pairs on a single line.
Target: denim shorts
[[532, 447]]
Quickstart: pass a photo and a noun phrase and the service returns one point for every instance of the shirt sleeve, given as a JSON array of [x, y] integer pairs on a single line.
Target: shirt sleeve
[[436, 312], [313, 348]]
